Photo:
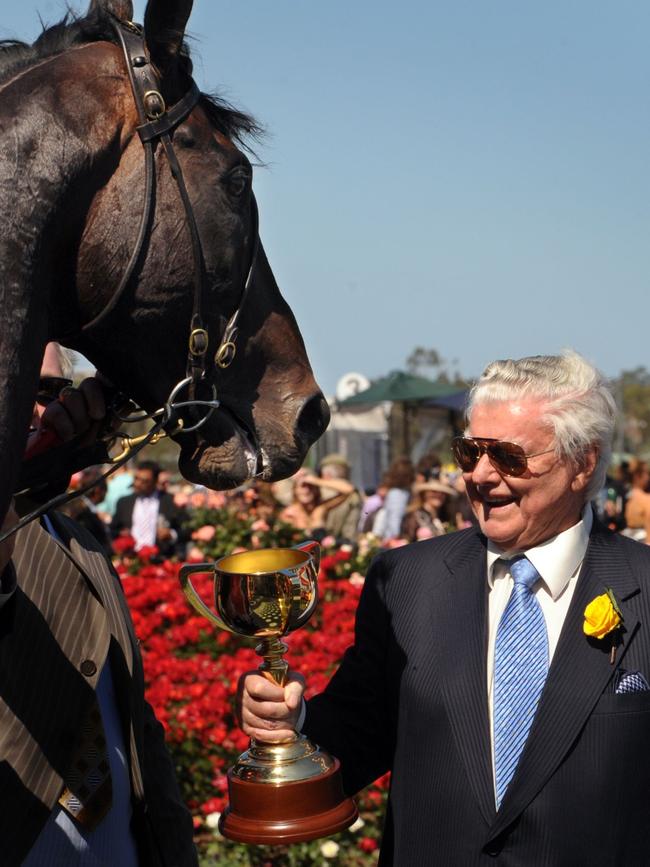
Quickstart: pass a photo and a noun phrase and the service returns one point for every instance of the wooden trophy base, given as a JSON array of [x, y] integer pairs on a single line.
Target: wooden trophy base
[[278, 813]]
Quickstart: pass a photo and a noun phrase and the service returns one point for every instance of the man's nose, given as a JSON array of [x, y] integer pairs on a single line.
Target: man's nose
[[484, 472]]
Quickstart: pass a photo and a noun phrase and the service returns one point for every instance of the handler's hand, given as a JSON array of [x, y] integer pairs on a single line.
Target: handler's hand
[[77, 412], [268, 712]]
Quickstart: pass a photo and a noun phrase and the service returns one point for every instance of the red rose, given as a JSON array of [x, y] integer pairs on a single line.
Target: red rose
[[123, 544], [367, 844], [147, 552]]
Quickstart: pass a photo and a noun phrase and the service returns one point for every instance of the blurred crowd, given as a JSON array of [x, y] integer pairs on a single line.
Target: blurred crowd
[[146, 507]]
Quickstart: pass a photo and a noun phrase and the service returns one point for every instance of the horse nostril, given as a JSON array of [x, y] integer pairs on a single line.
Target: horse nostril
[[314, 418]]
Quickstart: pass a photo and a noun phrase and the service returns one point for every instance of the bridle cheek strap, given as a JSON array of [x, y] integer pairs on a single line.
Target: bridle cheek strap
[[156, 124], [225, 354], [154, 121]]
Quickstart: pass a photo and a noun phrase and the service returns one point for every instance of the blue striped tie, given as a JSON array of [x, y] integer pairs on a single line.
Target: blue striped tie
[[520, 668]]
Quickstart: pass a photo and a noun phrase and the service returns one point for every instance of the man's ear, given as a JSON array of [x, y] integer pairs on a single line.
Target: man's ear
[[585, 468]]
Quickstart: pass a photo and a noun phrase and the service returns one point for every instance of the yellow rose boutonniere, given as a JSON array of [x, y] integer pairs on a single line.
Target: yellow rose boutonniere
[[603, 617]]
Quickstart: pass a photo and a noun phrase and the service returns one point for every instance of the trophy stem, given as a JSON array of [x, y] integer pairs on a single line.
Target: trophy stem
[[274, 666]]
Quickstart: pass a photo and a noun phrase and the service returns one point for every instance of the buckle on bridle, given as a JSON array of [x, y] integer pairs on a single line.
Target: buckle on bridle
[[198, 343], [225, 355], [154, 104]]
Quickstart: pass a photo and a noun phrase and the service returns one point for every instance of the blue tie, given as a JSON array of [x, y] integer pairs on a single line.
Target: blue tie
[[520, 668]]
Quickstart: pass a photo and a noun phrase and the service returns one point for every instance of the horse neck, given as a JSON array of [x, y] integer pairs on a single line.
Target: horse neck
[[49, 145]]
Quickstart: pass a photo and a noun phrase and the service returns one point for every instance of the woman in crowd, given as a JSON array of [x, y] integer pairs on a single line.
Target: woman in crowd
[[424, 514], [307, 510], [428, 467], [399, 479], [373, 502], [637, 508]]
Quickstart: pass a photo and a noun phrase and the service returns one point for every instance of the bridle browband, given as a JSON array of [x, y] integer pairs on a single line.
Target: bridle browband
[[157, 123]]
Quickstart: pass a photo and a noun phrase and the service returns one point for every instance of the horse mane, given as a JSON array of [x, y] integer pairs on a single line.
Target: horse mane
[[73, 30]]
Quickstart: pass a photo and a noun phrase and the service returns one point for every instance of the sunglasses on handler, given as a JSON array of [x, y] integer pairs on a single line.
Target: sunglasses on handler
[[49, 389], [507, 458]]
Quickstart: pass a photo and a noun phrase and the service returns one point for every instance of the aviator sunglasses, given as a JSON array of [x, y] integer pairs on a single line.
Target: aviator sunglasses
[[507, 458], [49, 389]]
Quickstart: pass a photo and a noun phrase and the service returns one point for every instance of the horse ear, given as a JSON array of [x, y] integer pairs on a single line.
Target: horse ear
[[164, 28], [122, 9]]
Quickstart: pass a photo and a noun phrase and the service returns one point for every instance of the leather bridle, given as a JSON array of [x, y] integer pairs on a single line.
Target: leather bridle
[[157, 123]]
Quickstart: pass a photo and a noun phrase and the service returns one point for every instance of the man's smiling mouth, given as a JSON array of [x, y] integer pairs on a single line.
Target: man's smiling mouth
[[496, 502]]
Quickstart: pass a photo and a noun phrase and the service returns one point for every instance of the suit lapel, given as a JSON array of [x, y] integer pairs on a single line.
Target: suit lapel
[[92, 563], [52, 582], [53, 625], [577, 678], [460, 626]]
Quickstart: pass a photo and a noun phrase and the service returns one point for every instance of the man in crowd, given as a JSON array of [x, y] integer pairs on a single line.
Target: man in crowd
[[85, 775], [85, 508], [149, 514], [502, 674], [164, 480]]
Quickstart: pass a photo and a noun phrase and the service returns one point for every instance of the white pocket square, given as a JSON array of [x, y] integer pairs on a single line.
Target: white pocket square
[[631, 681]]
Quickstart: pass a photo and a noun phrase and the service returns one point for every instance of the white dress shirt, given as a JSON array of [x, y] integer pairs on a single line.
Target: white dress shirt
[[144, 523], [558, 561]]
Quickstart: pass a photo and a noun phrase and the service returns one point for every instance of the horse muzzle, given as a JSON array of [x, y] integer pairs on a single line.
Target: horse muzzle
[[229, 449]]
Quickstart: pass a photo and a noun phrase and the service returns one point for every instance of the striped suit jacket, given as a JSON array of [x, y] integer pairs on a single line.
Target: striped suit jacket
[[411, 696], [67, 616]]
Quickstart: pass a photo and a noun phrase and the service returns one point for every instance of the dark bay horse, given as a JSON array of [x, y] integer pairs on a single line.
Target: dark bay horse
[[72, 178]]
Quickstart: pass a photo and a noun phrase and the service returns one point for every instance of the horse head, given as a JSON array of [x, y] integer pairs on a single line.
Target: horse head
[[72, 194]]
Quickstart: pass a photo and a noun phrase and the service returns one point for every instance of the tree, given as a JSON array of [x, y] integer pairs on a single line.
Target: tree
[[428, 362]]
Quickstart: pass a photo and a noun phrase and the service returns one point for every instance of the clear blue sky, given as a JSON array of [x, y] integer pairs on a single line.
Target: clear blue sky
[[472, 176]]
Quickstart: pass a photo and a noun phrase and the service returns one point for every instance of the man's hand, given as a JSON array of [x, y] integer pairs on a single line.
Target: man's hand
[[77, 412], [268, 712], [164, 534]]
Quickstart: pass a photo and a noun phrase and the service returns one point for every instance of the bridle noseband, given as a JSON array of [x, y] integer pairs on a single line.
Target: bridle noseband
[[157, 123]]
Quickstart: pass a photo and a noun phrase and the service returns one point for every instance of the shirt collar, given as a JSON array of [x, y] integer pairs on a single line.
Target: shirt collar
[[557, 559]]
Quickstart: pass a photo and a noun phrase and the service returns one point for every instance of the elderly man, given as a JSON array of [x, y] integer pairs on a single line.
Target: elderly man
[[514, 737]]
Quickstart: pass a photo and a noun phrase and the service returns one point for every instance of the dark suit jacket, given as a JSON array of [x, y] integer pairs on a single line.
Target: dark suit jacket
[[69, 608], [411, 696], [123, 519]]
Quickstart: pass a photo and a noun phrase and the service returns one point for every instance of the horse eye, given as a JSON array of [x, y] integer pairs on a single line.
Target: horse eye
[[237, 181]]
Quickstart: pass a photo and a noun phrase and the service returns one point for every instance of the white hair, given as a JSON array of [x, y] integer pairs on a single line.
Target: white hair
[[579, 404]]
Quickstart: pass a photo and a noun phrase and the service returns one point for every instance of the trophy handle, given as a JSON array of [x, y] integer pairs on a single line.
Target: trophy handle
[[193, 597], [313, 549]]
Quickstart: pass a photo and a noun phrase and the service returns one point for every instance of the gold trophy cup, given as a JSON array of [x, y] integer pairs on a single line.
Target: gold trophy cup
[[288, 792]]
